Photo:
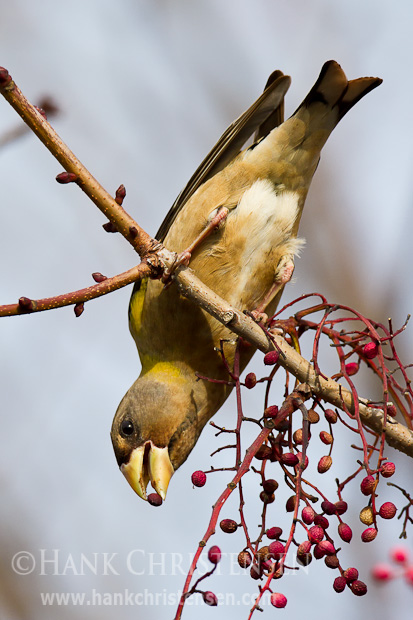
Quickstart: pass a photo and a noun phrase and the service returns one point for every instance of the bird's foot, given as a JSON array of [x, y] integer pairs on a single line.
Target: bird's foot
[[285, 270], [283, 275], [259, 317], [181, 259]]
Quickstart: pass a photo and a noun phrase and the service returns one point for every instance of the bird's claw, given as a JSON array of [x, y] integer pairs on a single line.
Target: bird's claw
[[258, 316], [181, 259]]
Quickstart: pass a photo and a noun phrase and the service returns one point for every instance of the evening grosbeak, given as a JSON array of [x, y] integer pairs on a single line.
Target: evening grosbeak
[[242, 208]]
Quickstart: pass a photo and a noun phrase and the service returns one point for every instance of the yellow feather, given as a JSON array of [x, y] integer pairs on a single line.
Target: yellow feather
[[136, 308]]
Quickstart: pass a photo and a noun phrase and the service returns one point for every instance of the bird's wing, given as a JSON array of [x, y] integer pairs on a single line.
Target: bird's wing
[[276, 117], [264, 114]]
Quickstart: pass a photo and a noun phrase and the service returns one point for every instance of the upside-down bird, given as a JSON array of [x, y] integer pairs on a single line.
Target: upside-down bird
[[237, 219]]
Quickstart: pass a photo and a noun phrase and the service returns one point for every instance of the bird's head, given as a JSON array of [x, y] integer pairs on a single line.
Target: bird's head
[[155, 428]]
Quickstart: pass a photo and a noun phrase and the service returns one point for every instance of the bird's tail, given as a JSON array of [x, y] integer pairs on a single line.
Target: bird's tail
[[335, 93], [292, 150]]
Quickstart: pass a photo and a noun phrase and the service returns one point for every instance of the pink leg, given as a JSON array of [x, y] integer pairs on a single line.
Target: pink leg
[[284, 274]]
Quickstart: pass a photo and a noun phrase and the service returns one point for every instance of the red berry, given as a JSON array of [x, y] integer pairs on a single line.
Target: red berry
[[331, 416], [228, 526], [267, 498], [368, 484], [256, 571], [264, 452], [315, 534], [304, 553], [324, 464], [370, 350], [250, 380], [244, 559], [351, 368], [307, 515], [289, 459], [312, 416], [387, 510], [358, 588], [154, 499], [345, 533], [276, 550], [318, 552], [278, 600], [298, 436], [331, 561], [350, 574], [290, 503], [382, 572], [321, 521], [369, 534], [327, 547], [210, 598], [214, 554], [304, 547], [274, 532], [271, 358], [388, 469], [339, 584], [328, 507], [271, 411], [399, 555], [263, 555], [198, 478], [341, 507], [270, 485], [326, 438]]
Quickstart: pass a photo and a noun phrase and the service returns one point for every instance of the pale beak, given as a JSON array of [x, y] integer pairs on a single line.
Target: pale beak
[[148, 463]]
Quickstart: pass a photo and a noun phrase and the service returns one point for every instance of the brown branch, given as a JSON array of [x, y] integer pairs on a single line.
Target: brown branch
[[27, 306]]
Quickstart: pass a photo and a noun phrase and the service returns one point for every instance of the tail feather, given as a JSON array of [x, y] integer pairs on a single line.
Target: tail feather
[[334, 90], [355, 91]]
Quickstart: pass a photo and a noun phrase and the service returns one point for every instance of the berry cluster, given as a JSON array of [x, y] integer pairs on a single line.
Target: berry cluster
[[281, 456]]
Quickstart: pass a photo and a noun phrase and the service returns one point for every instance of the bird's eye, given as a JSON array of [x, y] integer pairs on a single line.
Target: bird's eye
[[127, 428]]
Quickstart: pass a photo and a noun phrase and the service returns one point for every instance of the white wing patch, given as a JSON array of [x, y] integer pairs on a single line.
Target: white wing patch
[[267, 219]]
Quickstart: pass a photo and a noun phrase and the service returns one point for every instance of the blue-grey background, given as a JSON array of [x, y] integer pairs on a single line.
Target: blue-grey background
[[145, 88]]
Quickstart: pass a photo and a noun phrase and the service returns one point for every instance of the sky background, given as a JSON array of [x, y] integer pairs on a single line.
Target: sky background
[[145, 89]]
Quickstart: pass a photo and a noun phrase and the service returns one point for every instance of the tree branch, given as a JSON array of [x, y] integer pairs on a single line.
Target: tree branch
[[27, 306]]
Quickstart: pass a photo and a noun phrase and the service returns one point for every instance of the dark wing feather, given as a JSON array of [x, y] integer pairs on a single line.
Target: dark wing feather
[[276, 117], [261, 117]]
